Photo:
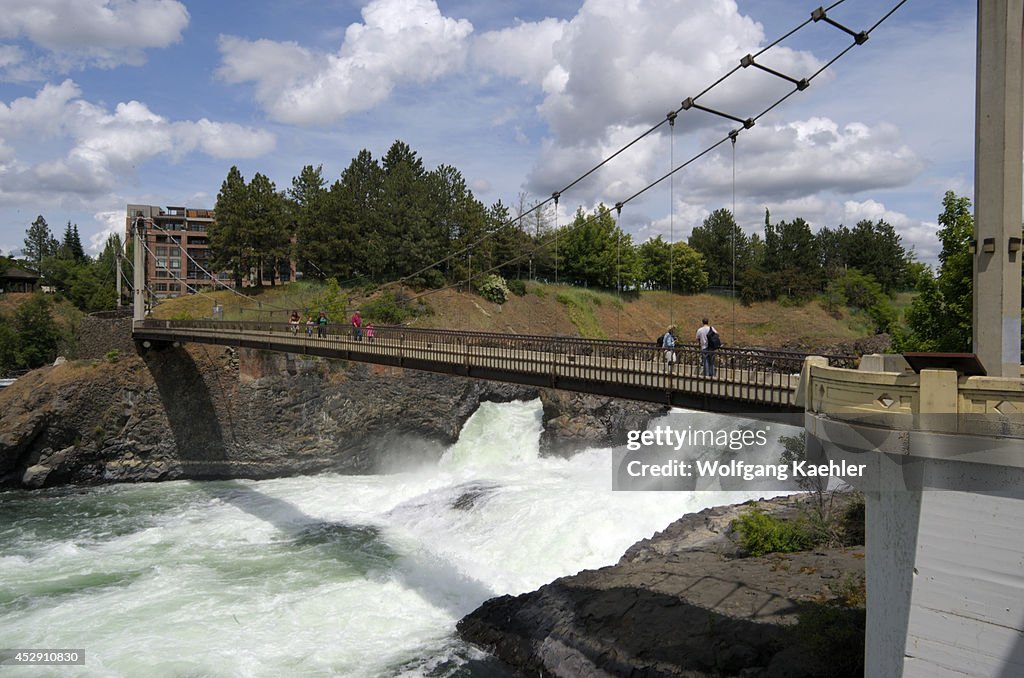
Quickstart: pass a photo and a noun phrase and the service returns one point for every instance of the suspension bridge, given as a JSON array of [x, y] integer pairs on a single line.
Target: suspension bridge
[[945, 595], [743, 380]]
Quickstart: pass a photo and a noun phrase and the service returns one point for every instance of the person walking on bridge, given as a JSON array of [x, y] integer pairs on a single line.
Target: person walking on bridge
[[668, 342], [708, 342], [357, 326], [321, 325]]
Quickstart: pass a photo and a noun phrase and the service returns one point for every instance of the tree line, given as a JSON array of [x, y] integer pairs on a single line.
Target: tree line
[[394, 219], [30, 335]]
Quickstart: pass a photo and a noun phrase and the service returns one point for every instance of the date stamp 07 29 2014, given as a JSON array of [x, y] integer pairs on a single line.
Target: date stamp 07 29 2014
[[41, 657]]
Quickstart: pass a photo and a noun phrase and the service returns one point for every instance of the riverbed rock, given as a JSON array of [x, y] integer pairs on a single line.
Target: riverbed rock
[[576, 421], [684, 603], [206, 412]]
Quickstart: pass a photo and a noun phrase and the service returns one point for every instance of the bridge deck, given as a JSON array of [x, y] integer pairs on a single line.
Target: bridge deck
[[744, 381]]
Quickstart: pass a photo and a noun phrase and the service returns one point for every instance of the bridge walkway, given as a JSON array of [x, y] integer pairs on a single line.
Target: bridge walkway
[[744, 380]]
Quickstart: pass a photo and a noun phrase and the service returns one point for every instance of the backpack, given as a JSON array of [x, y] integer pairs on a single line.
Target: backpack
[[661, 341], [714, 341]]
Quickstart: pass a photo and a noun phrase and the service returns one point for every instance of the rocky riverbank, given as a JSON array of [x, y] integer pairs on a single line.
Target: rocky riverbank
[[685, 603], [205, 412]]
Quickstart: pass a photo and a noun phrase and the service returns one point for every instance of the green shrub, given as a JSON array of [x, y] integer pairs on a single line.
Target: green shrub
[[113, 355], [495, 289], [393, 309], [761, 533], [384, 309], [517, 286]]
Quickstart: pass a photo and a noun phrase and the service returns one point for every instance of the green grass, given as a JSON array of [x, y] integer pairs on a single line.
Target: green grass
[[580, 306]]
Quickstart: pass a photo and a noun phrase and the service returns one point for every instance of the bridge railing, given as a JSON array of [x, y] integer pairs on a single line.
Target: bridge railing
[[729, 362]]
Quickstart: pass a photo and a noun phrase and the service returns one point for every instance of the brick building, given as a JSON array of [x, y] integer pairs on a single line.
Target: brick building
[[178, 251]]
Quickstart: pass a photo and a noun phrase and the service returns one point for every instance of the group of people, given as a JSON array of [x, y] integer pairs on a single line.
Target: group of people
[[320, 324], [707, 340]]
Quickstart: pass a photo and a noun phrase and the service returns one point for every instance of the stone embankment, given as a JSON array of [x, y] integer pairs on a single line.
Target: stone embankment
[[209, 412], [684, 603]]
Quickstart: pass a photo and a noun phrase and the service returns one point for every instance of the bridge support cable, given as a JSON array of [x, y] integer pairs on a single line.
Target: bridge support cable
[[555, 196], [820, 14], [212, 277], [691, 103], [671, 117], [541, 205], [735, 225]]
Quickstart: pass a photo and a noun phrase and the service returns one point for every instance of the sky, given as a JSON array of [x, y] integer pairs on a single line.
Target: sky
[[110, 102]]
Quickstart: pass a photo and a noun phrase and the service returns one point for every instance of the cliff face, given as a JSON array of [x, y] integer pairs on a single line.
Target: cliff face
[[205, 412]]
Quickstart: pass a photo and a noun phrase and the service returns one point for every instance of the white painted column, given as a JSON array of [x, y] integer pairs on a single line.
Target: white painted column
[[998, 174]]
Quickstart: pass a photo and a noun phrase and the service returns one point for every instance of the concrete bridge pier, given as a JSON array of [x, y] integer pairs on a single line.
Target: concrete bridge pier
[[944, 490]]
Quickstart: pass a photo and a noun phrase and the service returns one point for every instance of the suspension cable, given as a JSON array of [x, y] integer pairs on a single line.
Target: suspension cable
[[728, 137], [688, 103]]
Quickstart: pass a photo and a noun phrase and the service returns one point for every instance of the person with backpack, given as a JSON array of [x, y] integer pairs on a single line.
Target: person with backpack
[[708, 341], [668, 342]]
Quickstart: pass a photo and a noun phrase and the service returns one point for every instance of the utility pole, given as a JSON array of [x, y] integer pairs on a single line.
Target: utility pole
[[999, 128]]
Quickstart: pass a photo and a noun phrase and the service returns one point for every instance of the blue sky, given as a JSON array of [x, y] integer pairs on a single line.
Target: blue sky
[[106, 102]]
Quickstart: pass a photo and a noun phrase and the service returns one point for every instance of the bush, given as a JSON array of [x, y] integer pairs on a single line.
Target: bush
[[495, 289], [761, 533], [393, 309], [384, 309], [518, 287]]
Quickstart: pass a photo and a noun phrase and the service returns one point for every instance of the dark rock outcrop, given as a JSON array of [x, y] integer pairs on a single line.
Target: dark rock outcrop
[[575, 421], [679, 604], [205, 412]]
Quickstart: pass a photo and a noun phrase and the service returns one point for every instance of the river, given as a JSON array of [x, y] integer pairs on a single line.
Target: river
[[316, 575]]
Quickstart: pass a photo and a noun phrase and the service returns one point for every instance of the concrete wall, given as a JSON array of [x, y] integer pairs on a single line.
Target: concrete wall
[[944, 495]]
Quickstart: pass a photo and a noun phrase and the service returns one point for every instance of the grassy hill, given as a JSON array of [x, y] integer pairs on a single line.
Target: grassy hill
[[555, 310]]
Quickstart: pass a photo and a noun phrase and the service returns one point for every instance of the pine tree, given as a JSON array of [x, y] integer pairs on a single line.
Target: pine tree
[[308, 201], [266, 230], [39, 243], [723, 243], [71, 246], [229, 240]]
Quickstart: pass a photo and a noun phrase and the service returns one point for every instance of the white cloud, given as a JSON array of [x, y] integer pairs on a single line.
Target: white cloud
[[623, 66], [103, 146], [111, 222], [523, 52], [98, 32], [803, 157], [398, 41]]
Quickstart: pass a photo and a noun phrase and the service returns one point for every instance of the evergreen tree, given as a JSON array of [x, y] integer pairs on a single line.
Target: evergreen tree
[[71, 245], [410, 240], [37, 332], [267, 232], [356, 241], [39, 243], [722, 242], [833, 245], [308, 198], [229, 240], [876, 248]]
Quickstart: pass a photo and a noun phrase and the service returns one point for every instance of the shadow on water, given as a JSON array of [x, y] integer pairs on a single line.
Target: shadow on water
[[433, 579], [200, 444]]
